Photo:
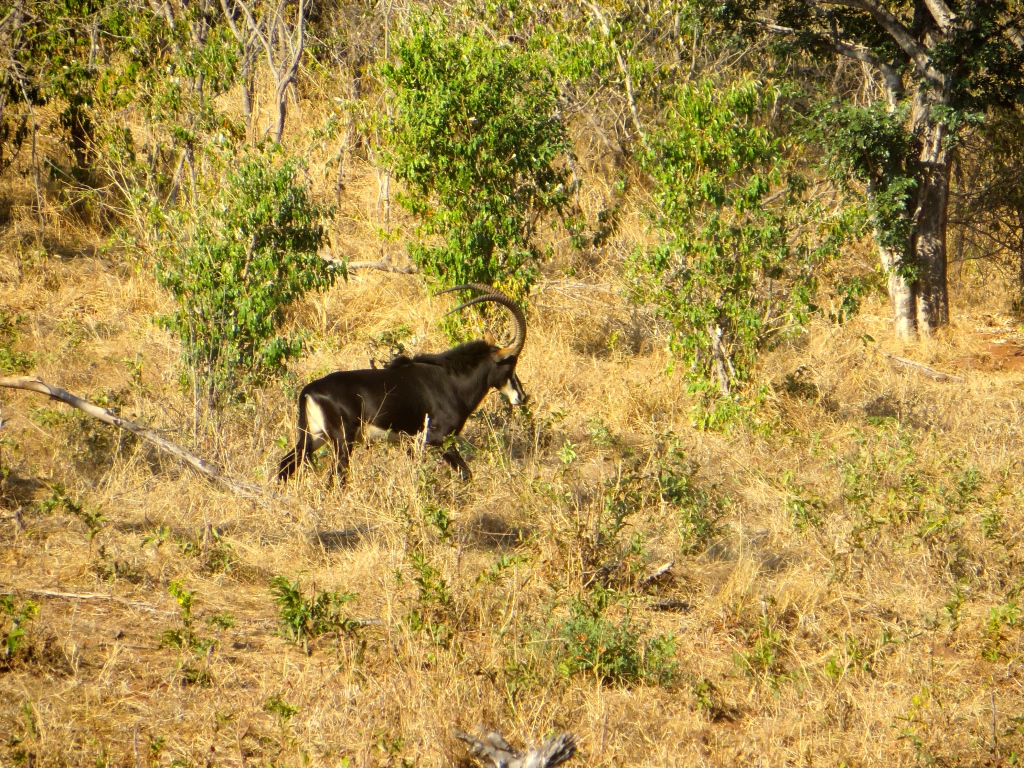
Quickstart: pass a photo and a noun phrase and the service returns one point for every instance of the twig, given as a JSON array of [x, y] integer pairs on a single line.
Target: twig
[[657, 574], [924, 370]]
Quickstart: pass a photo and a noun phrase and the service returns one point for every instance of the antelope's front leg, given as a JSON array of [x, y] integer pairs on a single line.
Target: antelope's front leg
[[436, 434]]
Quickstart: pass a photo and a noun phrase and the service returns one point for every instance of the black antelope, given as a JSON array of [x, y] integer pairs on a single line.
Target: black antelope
[[436, 392]]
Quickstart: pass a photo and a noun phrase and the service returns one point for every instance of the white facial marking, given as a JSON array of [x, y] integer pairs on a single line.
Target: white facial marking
[[315, 422], [510, 392]]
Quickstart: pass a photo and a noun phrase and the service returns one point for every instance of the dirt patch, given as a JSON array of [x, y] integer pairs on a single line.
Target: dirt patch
[[995, 352]]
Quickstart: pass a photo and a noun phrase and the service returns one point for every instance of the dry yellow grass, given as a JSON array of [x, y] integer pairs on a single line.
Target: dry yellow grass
[[842, 614]]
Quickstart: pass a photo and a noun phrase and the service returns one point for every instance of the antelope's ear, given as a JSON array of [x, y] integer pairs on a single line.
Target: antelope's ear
[[489, 337]]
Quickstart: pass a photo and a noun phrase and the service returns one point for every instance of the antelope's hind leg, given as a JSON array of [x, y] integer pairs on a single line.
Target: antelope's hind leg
[[342, 437]]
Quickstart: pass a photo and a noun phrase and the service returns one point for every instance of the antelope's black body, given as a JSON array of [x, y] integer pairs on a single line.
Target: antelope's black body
[[436, 392]]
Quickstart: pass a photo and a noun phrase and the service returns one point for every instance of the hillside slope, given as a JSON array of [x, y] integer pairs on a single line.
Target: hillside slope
[[834, 581]]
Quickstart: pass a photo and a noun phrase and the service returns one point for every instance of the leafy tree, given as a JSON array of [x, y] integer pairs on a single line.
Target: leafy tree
[[939, 67], [729, 272], [244, 259], [476, 137], [100, 66]]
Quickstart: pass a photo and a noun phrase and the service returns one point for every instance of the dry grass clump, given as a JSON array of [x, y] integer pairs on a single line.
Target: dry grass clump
[[834, 581]]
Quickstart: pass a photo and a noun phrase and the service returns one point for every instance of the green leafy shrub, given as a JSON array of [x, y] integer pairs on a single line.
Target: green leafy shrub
[[699, 509], [245, 259], [14, 618], [732, 269], [613, 652], [433, 612], [304, 619], [475, 137]]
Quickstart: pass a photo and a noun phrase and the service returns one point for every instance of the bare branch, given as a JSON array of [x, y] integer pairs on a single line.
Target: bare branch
[[898, 32], [622, 66], [941, 13], [87, 596], [893, 81], [383, 266]]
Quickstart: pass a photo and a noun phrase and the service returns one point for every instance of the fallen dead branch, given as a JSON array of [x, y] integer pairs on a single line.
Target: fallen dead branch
[[204, 467], [493, 747], [924, 370], [383, 266]]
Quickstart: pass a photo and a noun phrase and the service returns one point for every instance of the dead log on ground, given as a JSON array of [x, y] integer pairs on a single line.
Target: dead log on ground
[[925, 370], [501, 754], [204, 467]]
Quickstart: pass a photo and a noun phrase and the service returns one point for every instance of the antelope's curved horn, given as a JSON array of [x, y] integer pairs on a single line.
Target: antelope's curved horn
[[497, 297]]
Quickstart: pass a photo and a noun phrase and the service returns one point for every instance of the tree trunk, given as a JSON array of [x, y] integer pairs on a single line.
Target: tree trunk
[[281, 97], [929, 244], [902, 294]]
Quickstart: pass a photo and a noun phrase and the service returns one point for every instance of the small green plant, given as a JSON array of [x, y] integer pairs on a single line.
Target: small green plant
[[193, 645], [805, 509], [91, 516], [304, 619], [235, 268], [10, 360], [433, 612], [707, 698], [1005, 615], [156, 747], [110, 568], [567, 453], [951, 609], [439, 518], [624, 496], [497, 569], [699, 509], [613, 652], [184, 637], [857, 656], [15, 615], [276, 705], [762, 661], [991, 520], [600, 434]]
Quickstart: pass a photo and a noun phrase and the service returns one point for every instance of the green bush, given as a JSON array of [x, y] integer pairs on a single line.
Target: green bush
[[613, 652], [245, 258], [302, 618], [15, 615], [739, 247], [475, 136]]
